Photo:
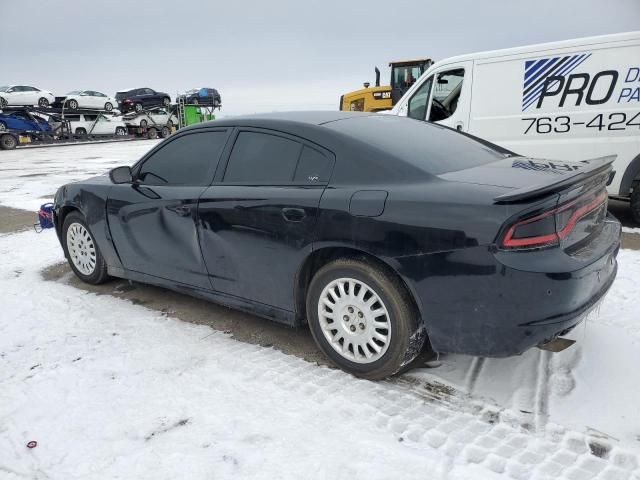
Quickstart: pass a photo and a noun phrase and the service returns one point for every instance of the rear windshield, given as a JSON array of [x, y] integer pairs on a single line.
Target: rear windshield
[[428, 146], [121, 95]]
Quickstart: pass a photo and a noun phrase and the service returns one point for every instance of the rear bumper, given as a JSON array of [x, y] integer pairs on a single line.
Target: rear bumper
[[498, 304]]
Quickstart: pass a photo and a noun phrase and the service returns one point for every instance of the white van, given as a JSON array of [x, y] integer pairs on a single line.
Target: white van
[[569, 100]]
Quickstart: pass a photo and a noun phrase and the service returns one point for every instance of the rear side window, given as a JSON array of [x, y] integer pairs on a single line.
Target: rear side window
[[187, 160], [262, 158], [313, 167]]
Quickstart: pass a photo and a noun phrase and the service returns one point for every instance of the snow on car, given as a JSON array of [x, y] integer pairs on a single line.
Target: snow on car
[[25, 95], [89, 99]]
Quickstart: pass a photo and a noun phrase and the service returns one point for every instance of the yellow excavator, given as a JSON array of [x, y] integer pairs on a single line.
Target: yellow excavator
[[375, 99]]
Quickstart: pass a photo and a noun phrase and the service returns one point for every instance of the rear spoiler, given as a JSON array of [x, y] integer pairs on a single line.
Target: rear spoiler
[[591, 168]]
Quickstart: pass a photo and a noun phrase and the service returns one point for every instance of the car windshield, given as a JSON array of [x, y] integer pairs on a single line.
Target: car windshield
[[75, 92], [4, 89], [428, 146]]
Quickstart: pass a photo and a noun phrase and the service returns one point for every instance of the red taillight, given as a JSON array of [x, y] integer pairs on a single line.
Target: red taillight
[[548, 228]]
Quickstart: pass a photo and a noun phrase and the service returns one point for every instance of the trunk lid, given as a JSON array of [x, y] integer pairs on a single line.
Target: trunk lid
[[556, 203], [530, 178]]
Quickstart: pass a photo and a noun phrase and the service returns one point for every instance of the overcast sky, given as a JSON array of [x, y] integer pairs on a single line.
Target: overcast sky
[[271, 55]]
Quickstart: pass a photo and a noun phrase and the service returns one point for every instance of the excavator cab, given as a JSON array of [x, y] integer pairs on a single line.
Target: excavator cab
[[375, 99], [404, 74]]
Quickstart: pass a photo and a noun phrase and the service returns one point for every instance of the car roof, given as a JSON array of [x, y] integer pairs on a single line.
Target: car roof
[[319, 117]]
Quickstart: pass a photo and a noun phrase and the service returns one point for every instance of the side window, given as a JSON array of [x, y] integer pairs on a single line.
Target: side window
[[261, 158], [446, 93], [187, 160], [313, 167], [418, 103], [90, 118]]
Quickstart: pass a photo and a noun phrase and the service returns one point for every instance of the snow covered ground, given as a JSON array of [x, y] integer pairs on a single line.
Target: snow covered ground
[[110, 389]]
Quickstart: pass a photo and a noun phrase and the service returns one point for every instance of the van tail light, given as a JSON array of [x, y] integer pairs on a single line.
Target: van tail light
[[550, 227]]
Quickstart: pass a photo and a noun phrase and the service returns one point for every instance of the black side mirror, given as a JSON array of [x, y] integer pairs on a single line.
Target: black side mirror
[[121, 175]]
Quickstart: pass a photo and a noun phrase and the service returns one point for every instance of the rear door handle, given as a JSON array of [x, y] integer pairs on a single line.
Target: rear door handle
[[293, 214]]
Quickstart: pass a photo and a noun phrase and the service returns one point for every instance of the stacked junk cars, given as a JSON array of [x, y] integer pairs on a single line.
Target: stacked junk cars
[[30, 116]]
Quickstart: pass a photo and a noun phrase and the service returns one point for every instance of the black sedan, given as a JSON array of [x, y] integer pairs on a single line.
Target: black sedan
[[385, 234], [138, 99]]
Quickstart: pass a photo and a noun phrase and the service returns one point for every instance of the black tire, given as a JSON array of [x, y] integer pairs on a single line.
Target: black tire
[[99, 274], [143, 123], [166, 101], [165, 132], [3, 102], [169, 124], [407, 334], [81, 132], [635, 203], [72, 104], [3, 126], [43, 102], [108, 106], [152, 133], [8, 142], [121, 131], [137, 107]]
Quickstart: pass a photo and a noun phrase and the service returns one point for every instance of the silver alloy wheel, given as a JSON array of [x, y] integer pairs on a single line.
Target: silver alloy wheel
[[354, 320], [43, 102], [81, 248], [3, 127], [108, 107], [73, 104]]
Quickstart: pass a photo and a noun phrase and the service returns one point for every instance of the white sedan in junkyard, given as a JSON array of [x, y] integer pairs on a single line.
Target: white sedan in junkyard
[[25, 95], [159, 118], [89, 99]]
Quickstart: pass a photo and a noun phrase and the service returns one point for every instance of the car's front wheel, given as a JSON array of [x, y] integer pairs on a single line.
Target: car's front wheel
[[108, 106], [3, 102], [73, 104], [138, 107], [121, 131], [363, 319], [82, 251], [166, 101], [43, 102], [3, 126]]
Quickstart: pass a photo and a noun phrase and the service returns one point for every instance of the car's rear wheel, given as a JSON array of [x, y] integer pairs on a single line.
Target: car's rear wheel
[[3, 102], [138, 107], [195, 101], [152, 133], [363, 319], [81, 132], [108, 106], [73, 104], [121, 131], [8, 142], [635, 203], [3, 126], [43, 102], [82, 251]]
